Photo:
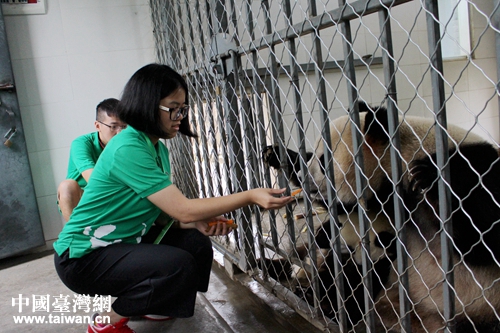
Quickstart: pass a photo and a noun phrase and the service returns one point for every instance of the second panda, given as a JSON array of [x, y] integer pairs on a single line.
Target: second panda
[[475, 206]]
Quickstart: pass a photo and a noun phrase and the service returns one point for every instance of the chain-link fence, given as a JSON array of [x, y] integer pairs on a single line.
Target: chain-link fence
[[385, 114]]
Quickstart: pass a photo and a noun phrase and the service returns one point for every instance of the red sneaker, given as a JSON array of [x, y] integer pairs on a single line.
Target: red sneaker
[[119, 327]]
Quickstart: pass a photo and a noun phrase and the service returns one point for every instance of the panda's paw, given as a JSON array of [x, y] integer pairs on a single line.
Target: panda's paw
[[270, 157], [421, 176]]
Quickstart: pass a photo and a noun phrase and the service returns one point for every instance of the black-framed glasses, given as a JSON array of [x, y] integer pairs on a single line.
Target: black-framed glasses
[[176, 113], [114, 128]]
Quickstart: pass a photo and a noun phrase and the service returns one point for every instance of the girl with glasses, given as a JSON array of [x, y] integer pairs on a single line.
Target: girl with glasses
[[106, 246]]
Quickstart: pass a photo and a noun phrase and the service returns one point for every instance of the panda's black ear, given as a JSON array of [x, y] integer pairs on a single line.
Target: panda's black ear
[[376, 127]]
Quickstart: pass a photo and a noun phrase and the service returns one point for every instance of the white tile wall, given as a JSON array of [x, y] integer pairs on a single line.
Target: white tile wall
[[52, 125], [125, 28], [104, 74], [65, 63], [68, 4]]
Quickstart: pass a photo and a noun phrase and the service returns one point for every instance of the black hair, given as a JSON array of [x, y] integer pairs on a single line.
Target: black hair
[[108, 106], [142, 95]]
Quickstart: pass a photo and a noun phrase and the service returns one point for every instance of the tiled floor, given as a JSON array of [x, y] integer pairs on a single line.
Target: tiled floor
[[228, 306]]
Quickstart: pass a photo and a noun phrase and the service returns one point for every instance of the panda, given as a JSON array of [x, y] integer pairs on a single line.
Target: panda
[[475, 205], [381, 236]]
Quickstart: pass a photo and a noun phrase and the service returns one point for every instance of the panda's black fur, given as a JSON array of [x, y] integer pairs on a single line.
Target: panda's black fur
[[475, 205]]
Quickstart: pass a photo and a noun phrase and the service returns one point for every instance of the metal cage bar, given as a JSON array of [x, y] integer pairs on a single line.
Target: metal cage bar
[[277, 131], [294, 83], [329, 172], [439, 108], [396, 166], [361, 183]]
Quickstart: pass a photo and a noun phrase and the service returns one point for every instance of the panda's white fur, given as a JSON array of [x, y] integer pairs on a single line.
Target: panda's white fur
[[477, 287], [417, 137]]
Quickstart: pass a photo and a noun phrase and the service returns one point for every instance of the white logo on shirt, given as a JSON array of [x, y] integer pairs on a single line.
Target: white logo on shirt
[[100, 232]]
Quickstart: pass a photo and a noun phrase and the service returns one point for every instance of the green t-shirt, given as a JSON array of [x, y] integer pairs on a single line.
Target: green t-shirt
[[114, 207], [83, 155]]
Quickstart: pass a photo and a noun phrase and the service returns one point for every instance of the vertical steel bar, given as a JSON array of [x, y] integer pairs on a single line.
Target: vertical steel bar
[[277, 121], [217, 11], [218, 25], [389, 64], [259, 120], [257, 90], [361, 183], [181, 41], [209, 117], [234, 139], [174, 61], [248, 141], [442, 156], [171, 36], [495, 21], [234, 22], [183, 61], [202, 151], [236, 156], [190, 27], [330, 173], [200, 31], [215, 20], [292, 49], [161, 32], [157, 20]]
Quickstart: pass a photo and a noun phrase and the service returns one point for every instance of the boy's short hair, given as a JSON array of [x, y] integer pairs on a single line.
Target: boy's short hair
[[107, 106]]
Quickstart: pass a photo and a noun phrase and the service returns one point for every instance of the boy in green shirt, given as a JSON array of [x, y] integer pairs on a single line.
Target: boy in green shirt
[[85, 150]]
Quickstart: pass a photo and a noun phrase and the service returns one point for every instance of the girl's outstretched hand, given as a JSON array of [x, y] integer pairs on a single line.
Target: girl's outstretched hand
[[269, 198]]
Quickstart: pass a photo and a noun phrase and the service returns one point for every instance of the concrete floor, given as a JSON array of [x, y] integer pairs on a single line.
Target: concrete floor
[[228, 306]]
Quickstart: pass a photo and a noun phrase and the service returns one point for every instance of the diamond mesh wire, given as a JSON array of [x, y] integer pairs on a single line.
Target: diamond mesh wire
[[376, 239]]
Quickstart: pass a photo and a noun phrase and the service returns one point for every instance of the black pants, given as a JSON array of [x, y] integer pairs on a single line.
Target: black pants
[[146, 278]]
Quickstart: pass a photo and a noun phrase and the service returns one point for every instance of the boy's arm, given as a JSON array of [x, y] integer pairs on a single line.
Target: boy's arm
[[86, 174], [83, 156]]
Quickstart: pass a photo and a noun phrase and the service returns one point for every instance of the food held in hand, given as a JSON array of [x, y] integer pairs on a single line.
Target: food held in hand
[[230, 223]]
